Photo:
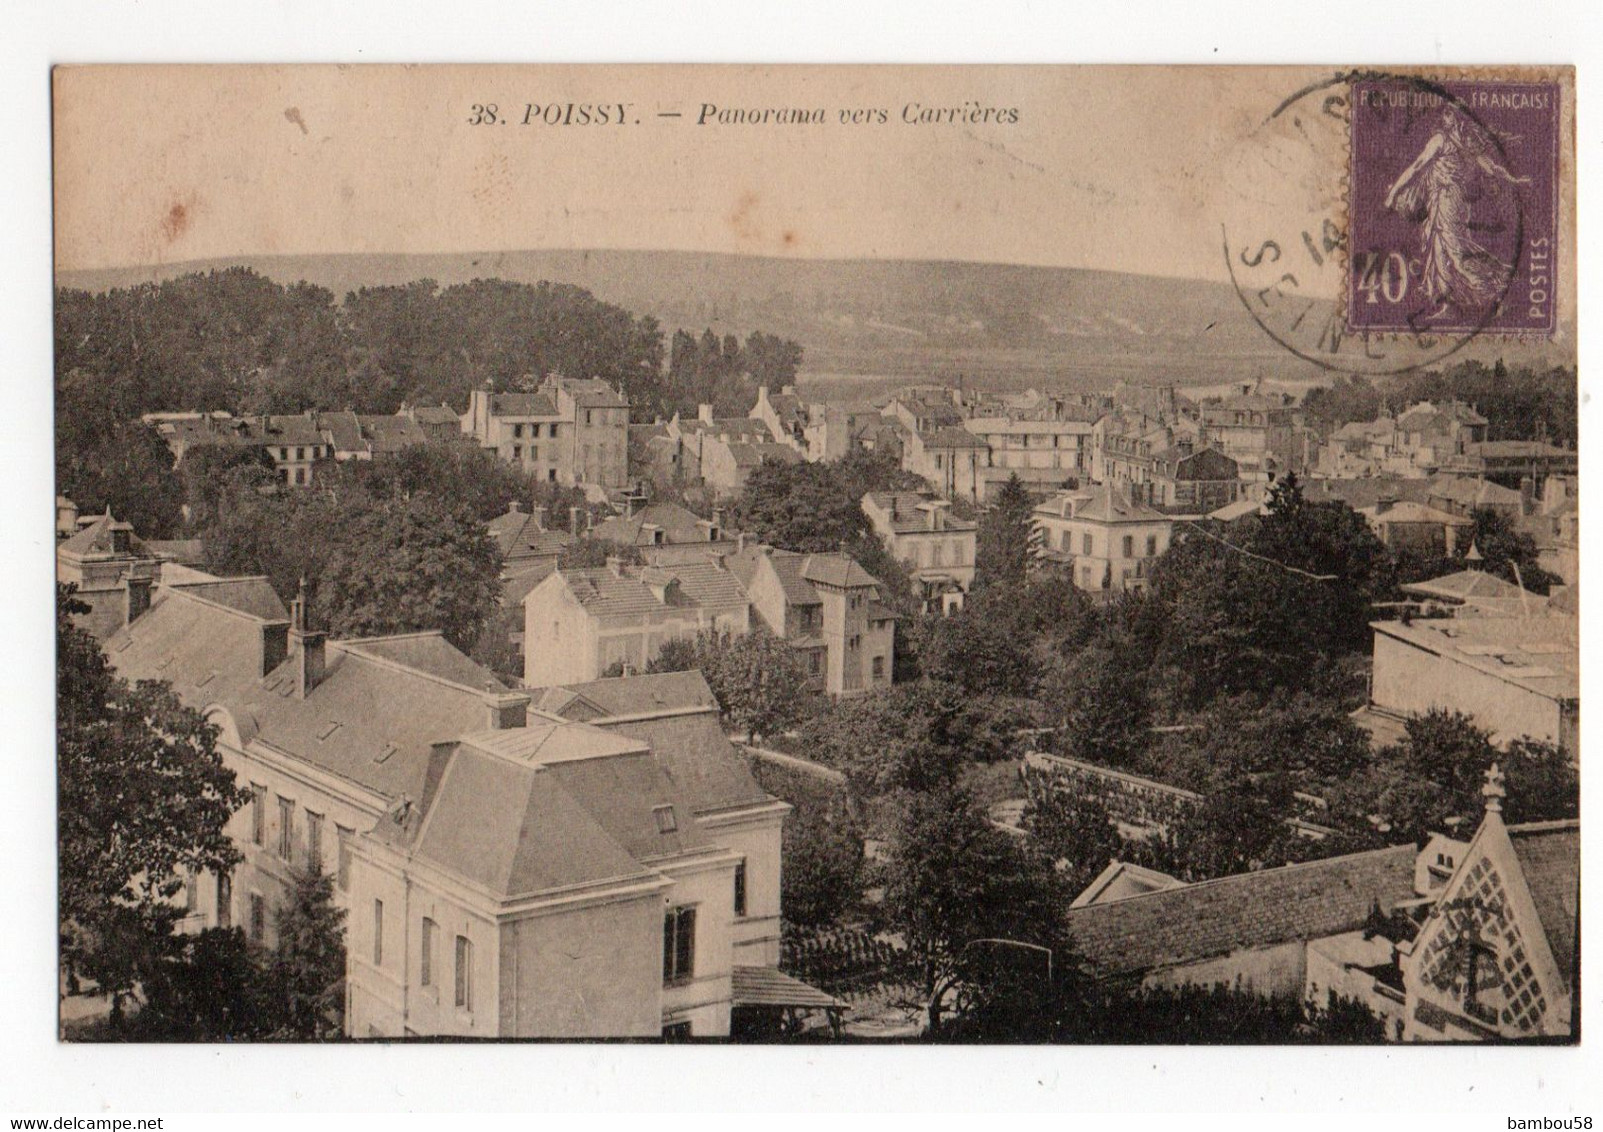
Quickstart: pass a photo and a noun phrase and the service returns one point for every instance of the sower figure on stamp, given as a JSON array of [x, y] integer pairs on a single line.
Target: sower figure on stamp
[[1458, 168]]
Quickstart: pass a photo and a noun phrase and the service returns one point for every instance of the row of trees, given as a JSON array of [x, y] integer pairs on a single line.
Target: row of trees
[[1518, 404]]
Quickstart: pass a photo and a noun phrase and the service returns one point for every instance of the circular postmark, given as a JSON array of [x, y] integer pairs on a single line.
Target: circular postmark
[[1379, 244]]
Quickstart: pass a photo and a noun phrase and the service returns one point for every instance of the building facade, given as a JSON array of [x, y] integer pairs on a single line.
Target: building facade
[[1108, 542], [567, 431]]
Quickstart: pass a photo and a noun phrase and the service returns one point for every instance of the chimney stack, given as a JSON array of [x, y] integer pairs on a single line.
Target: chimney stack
[[704, 413], [306, 646], [515, 507], [615, 565], [1527, 495], [539, 513], [275, 644], [138, 593], [506, 709]]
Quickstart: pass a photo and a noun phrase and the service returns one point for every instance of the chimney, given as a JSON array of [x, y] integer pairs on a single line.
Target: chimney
[[539, 514], [515, 507], [629, 506], [615, 565], [138, 592], [274, 644], [506, 709], [626, 669], [306, 646], [1527, 494], [704, 413], [718, 560], [740, 543]]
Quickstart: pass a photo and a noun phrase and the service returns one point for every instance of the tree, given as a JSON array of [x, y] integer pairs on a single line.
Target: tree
[[207, 987], [802, 507], [1505, 551], [822, 874], [1003, 548], [761, 683], [980, 649], [1074, 832], [1099, 704], [307, 971], [954, 880], [592, 553], [142, 796], [409, 566], [124, 466]]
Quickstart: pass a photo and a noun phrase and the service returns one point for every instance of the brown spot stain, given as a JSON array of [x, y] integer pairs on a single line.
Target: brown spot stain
[[293, 114], [741, 219], [176, 222], [789, 238]]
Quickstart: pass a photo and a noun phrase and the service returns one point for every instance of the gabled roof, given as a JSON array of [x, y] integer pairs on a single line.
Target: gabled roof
[[344, 431], [838, 570], [698, 756], [1406, 511], [1474, 492], [391, 434], [96, 537], [592, 392], [1215, 918], [710, 587], [520, 535], [429, 652]]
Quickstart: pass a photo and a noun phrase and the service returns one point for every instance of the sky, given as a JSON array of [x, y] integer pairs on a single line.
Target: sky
[[1110, 167]]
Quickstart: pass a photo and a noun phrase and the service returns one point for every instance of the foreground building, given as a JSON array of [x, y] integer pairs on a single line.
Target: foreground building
[[1498, 956], [507, 872]]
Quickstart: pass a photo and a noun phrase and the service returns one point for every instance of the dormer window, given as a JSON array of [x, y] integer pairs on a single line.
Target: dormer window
[[666, 821]]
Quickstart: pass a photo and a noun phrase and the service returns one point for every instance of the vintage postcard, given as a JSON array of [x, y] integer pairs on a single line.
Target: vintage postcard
[[817, 554]]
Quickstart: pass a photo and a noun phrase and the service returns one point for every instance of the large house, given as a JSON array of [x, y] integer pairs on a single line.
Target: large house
[[827, 607], [1108, 542], [1261, 432], [1517, 673], [567, 431], [507, 872], [920, 532], [113, 568], [579, 623], [668, 534]]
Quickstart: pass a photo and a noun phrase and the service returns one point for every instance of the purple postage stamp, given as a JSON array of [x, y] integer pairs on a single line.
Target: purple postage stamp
[[1453, 206]]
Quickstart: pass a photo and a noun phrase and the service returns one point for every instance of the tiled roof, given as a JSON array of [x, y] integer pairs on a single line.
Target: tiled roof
[[678, 525], [435, 415], [511, 828], [906, 514], [635, 695], [1474, 492], [517, 584], [344, 430], [187, 551], [1464, 585], [714, 589], [546, 742], [1407, 511], [1099, 503], [751, 455], [838, 570], [952, 436], [252, 595], [593, 393], [522, 405], [624, 794], [788, 568], [1196, 922], [519, 535], [371, 720], [768, 986], [1550, 858], [391, 434], [428, 652], [605, 594], [1540, 654], [698, 756]]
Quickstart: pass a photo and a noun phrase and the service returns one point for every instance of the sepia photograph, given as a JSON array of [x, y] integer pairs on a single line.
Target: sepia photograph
[[816, 555]]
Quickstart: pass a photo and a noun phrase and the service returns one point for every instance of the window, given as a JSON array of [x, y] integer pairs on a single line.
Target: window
[[378, 933], [1085, 544], [191, 883], [553, 430], [678, 946], [426, 952], [666, 822], [314, 841], [343, 873], [300, 453], [300, 475], [1129, 546], [551, 475], [854, 642], [534, 451], [286, 829], [517, 431], [676, 1032], [517, 451], [879, 668], [1152, 546], [258, 814], [464, 973], [258, 917], [815, 662], [740, 888], [225, 900]]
